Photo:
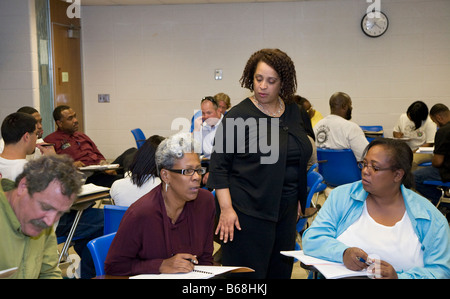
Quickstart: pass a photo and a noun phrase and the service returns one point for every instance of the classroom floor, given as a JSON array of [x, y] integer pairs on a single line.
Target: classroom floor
[[68, 270]]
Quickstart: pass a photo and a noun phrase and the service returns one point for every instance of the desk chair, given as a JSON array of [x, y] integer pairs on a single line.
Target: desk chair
[[99, 250], [321, 186], [440, 185], [374, 129], [113, 216], [139, 136], [314, 182], [338, 167]]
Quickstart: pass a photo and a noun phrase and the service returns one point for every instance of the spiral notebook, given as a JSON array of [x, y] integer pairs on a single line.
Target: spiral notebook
[[330, 270], [200, 272]]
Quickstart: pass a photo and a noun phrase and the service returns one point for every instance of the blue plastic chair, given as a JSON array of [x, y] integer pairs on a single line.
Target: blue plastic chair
[[99, 250], [113, 216], [338, 167], [139, 136], [321, 186], [372, 129], [440, 185], [314, 182]]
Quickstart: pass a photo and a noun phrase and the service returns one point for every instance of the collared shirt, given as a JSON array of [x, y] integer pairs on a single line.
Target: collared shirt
[[206, 138], [345, 205], [77, 145], [35, 257]]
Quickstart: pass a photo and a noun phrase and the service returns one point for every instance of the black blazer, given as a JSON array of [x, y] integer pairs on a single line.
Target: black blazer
[[246, 160]]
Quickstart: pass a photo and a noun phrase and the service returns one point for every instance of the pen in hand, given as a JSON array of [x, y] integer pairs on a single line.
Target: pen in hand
[[368, 263]]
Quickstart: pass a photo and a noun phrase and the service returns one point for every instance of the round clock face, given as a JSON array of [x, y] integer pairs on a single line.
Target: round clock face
[[374, 24]]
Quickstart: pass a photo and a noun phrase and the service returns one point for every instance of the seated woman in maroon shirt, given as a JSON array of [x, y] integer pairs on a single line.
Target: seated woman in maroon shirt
[[169, 229]]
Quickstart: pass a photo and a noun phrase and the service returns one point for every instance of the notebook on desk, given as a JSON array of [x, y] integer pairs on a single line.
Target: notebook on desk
[[200, 272], [99, 167], [330, 270], [89, 189], [425, 150]]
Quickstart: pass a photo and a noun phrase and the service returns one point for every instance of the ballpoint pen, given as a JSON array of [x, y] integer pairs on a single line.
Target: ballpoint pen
[[368, 263]]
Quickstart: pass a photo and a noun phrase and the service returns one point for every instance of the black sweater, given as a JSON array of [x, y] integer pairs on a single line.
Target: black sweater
[[237, 162]]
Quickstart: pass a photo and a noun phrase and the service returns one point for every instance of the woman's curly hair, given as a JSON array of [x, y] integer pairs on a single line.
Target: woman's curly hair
[[281, 63]]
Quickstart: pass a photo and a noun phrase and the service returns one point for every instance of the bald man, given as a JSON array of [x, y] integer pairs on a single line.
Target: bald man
[[336, 131]]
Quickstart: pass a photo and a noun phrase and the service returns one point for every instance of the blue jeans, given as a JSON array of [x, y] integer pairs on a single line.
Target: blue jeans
[[89, 227], [429, 191]]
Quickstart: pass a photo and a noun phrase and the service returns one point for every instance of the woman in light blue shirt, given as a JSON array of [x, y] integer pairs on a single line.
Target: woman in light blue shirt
[[380, 216]]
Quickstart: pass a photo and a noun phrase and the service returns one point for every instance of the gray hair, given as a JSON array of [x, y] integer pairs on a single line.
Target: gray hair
[[39, 173], [174, 148]]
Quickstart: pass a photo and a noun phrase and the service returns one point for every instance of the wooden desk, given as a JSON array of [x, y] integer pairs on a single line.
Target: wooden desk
[[81, 204]]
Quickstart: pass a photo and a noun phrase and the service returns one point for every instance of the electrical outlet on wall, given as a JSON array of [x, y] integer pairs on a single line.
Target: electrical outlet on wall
[[103, 98], [218, 74]]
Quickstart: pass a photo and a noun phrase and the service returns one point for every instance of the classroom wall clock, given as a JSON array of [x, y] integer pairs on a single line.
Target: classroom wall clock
[[374, 24]]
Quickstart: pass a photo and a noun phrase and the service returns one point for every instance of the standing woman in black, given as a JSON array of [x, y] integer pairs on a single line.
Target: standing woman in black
[[258, 168]]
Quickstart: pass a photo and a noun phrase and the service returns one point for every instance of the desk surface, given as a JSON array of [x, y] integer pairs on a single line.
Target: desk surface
[[91, 197]]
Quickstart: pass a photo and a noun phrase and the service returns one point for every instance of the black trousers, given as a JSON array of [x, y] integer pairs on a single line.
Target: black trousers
[[259, 243]]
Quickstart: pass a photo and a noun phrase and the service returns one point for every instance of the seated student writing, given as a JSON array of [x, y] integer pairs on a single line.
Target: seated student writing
[[170, 228], [380, 216]]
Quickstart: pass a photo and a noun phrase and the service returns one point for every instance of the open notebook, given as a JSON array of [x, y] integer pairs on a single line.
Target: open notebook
[[330, 270], [99, 167], [89, 189], [200, 272]]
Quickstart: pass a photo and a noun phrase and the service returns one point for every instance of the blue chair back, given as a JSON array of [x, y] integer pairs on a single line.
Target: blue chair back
[[113, 216], [314, 180], [338, 167], [99, 250], [372, 129], [139, 136]]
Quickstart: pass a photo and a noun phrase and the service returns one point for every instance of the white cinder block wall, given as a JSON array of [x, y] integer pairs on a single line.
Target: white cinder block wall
[[19, 77], [157, 62]]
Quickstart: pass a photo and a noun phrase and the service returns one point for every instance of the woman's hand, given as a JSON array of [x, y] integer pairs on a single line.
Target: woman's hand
[[385, 270], [179, 263], [352, 258], [228, 219]]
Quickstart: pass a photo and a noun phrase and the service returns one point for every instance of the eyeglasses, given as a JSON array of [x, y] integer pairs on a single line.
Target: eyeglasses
[[211, 99], [362, 165], [189, 172]]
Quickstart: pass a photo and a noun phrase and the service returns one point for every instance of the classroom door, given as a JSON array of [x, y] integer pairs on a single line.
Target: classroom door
[[67, 66]]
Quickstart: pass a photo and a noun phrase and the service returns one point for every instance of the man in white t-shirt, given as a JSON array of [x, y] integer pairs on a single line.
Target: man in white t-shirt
[[19, 133], [40, 132], [336, 131]]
